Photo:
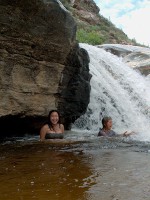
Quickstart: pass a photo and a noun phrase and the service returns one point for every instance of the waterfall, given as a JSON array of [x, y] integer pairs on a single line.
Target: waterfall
[[118, 91]]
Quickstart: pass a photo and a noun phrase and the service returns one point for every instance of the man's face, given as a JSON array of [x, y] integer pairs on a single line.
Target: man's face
[[109, 124]]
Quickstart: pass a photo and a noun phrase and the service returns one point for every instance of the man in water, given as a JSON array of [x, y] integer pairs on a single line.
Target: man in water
[[106, 130]]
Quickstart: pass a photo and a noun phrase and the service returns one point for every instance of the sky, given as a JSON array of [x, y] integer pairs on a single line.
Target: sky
[[132, 16]]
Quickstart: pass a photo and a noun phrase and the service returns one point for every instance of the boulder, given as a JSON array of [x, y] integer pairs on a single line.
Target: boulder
[[135, 56], [42, 66]]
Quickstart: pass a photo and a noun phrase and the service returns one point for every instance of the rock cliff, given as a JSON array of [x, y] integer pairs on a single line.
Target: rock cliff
[[42, 66], [90, 21]]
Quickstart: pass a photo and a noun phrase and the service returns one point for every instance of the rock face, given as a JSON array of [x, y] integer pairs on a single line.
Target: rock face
[[134, 56], [42, 66], [87, 11], [89, 20]]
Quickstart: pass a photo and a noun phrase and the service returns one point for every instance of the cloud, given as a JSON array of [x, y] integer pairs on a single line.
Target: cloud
[[132, 16], [136, 25]]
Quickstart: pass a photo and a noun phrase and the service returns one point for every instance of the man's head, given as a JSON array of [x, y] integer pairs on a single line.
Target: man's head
[[107, 123]]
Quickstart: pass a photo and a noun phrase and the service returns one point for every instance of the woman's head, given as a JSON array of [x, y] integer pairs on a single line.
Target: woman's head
[[107, 123], [54, 117]]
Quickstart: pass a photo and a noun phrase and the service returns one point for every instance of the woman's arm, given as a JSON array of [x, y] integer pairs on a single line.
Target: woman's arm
[[43, 132]]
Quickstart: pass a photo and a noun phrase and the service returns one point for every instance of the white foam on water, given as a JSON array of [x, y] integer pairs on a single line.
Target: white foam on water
[[117, 91]]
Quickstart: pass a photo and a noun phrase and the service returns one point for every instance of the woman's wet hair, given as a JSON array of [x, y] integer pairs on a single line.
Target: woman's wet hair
[[105, 120], [49, 121]]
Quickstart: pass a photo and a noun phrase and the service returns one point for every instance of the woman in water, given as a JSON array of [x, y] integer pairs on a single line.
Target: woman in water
[[53, 129], [106, 130]]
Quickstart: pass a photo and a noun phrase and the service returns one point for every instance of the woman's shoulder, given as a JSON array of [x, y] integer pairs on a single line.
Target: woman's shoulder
[[61, 126], [45, 126]]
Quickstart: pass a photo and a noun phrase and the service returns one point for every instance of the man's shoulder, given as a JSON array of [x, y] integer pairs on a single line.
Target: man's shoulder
[[112, 133], [101, 132]]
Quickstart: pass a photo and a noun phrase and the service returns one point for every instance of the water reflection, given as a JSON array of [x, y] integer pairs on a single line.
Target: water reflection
[[101, 169], [123, 175], [42, 171]]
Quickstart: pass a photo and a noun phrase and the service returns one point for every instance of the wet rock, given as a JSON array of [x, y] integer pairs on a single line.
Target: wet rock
[[135, 56], [42, 66]]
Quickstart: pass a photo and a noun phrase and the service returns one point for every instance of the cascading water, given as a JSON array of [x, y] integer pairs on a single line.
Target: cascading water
[[117, 91]]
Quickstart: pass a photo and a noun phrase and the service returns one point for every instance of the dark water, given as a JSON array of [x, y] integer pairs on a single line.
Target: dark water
[[93, 169]]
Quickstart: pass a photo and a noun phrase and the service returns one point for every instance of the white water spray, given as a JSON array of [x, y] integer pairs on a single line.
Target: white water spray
[[117, 91]]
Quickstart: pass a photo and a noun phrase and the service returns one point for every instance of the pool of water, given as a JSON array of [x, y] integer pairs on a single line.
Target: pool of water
[[89, 169]]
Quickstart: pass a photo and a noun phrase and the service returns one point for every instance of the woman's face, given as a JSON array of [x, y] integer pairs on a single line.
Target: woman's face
[[54, 118], [108, 124]]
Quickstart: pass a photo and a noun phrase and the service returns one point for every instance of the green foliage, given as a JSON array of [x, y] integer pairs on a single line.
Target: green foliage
[[134, 40], [92, 37], [105, 32]]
